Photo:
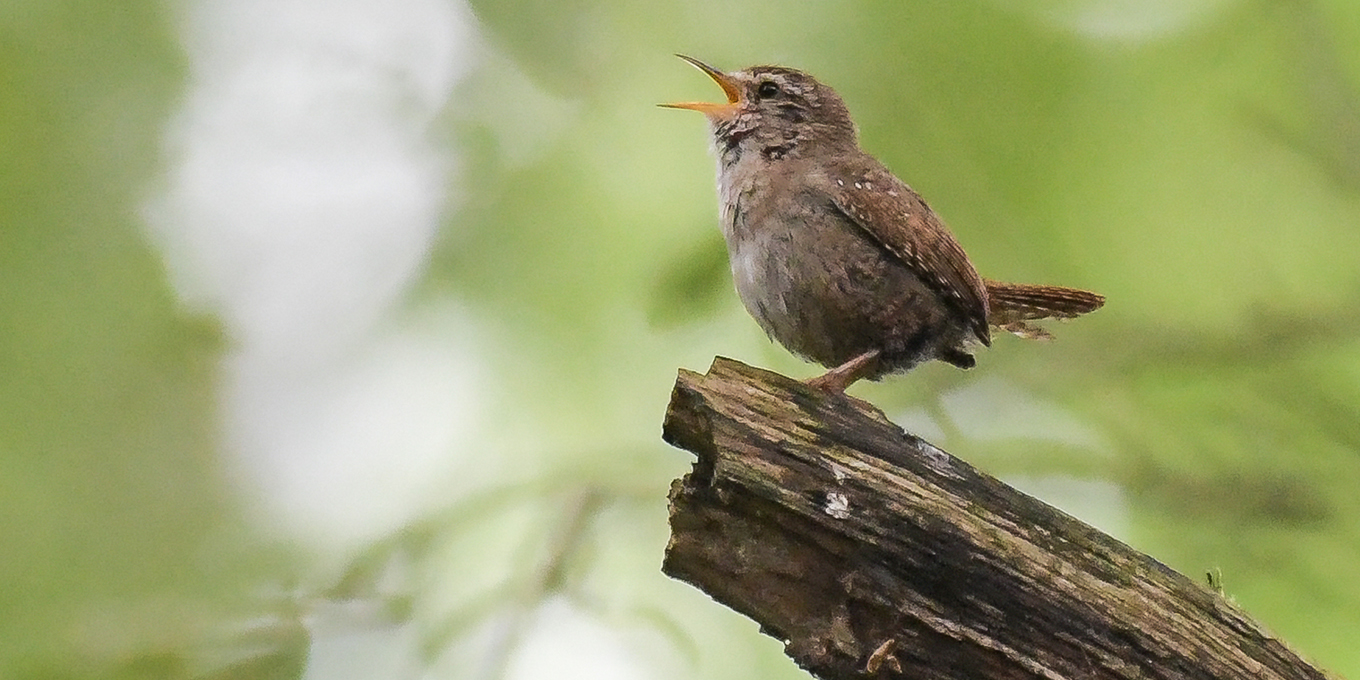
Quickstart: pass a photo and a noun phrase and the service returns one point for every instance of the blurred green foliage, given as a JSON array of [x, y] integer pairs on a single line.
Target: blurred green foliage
[[112, 507], [1198, 163]]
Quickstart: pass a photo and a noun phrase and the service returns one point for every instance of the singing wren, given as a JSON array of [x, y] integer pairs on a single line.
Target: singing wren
[[835, 257]]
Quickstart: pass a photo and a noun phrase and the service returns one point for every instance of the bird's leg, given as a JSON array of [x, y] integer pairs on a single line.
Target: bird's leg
[[841, 377]]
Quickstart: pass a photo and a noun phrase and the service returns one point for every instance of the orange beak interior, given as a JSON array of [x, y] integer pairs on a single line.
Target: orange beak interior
[[728, 85]]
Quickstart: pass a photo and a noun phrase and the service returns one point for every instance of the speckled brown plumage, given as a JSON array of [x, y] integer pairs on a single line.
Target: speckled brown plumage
[[834, 256]]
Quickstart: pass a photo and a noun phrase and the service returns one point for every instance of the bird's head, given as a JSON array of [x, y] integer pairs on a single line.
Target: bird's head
[[779, 112]]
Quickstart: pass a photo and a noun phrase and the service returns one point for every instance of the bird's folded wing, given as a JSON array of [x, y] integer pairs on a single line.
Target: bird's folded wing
[[898, 218]]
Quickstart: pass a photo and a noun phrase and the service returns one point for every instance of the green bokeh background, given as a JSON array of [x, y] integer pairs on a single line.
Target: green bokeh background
[[1198, 163]]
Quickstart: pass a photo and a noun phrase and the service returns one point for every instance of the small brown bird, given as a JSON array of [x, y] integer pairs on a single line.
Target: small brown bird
[[834, 256]]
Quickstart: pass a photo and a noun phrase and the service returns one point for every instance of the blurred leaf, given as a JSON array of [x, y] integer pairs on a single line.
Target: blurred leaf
[[287, 663], [691, 286]]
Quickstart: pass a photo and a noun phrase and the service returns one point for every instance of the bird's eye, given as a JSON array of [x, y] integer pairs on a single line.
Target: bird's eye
[[768, 89]]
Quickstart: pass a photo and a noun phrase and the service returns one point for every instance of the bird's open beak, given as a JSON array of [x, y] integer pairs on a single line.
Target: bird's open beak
[[724, 81]]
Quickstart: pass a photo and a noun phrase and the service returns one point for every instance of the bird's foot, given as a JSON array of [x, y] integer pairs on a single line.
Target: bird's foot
[[837, 379]]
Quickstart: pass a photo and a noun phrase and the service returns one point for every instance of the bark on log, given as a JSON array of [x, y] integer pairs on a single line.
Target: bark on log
[[871, 553]]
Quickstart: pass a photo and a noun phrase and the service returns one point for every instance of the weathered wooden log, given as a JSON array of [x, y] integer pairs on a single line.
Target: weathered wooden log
[[871, 553]]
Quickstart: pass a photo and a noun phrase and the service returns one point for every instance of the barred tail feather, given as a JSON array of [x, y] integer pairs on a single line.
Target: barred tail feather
[[1009, 305]]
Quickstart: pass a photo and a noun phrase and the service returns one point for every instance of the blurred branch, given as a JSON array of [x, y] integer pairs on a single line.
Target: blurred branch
[[870, 552], [1267, 336], [1268, 348], [548, 578]]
